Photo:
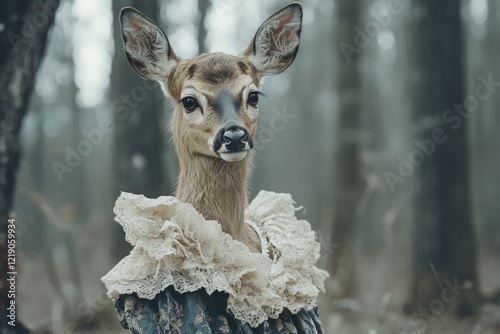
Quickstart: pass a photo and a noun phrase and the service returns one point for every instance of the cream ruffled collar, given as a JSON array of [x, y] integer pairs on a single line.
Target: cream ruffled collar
[[175, 246]]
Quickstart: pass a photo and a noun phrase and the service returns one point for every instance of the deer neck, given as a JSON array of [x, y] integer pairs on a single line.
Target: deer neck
[[217, 189]]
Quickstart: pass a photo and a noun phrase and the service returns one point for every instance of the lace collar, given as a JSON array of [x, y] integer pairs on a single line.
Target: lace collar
[[175, 246]]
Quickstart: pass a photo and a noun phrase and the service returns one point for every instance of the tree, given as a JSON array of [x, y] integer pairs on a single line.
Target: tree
[[138, 141], [444, 243], [348, 182], [22, 41], [202, 31]]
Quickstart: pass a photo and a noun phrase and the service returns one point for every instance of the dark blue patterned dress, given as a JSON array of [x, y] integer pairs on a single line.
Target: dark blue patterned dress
[[200, 313]]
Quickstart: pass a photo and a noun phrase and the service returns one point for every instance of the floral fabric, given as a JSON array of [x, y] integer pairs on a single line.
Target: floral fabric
[[200, 313]]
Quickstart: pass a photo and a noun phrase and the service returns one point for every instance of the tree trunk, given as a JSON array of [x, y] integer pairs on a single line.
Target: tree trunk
[[138, 141], [22, 41], [348, 182], [444, 243], [202, 31]]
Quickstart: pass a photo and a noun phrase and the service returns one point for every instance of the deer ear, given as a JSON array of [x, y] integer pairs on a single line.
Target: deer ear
[[146, 46], [276, 43]]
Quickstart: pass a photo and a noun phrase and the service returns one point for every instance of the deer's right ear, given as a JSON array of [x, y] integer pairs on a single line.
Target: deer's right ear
[[146, 46]]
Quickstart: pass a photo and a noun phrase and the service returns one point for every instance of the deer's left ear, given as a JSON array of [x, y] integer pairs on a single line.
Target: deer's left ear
[[276, 43]]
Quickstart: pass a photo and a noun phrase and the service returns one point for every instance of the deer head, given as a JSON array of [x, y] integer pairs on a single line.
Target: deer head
[[216, 100], [216, 95]]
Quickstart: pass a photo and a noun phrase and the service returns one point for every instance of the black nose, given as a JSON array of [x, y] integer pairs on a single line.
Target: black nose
[[235, 140], [234, 137]]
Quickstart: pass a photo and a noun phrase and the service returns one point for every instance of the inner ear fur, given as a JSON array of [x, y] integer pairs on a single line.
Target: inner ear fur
[[276, 42], [146, 45]]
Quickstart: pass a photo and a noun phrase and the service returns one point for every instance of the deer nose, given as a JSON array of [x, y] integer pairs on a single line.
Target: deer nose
[[234, 137]]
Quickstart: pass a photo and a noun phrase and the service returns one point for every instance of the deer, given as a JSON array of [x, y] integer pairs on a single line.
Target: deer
[[216, 107]]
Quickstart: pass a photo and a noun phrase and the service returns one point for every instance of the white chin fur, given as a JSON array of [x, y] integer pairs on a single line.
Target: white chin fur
[[233, 156]]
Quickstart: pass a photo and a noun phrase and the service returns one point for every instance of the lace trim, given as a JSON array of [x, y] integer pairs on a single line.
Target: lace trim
[[175, 246], [264, 245]]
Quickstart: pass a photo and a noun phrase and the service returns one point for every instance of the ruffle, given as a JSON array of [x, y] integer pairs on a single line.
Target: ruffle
[[175, 246]]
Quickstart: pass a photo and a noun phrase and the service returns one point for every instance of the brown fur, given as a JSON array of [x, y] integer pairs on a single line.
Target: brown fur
[[216, 188]]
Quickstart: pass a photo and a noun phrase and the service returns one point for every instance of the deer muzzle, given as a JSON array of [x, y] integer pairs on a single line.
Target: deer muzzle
[[233, 142]]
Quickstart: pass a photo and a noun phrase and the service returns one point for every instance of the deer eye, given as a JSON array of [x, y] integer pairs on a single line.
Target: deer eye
[[253, 99], [189, 103]]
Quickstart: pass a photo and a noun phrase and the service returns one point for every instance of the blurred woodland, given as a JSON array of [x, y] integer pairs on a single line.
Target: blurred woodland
[[385, 130]]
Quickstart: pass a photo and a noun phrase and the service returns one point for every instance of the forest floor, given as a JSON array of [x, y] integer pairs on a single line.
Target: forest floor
[[487, 321], [379, 311]]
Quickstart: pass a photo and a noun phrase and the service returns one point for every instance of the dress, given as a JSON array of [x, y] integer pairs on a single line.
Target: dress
[[185, 275]]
